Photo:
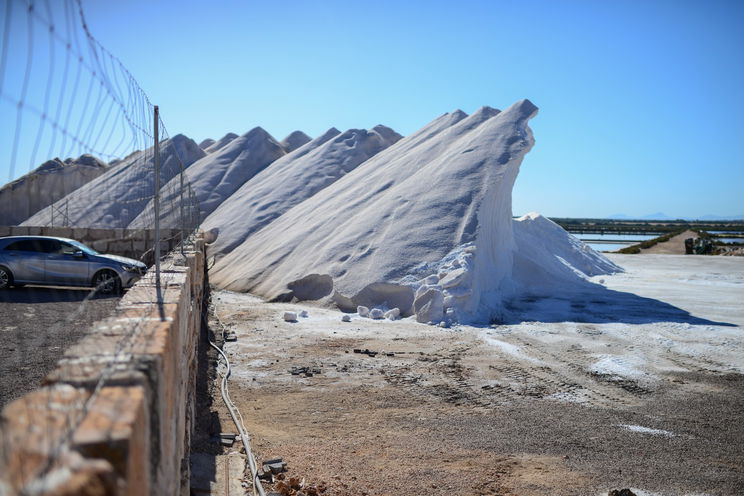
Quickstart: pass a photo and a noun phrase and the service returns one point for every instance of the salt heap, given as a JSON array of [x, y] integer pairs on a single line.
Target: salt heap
[[116, 197], [215, 177], [294, 140], [372, 237], [49, 182], [292, 179], [211, 146]]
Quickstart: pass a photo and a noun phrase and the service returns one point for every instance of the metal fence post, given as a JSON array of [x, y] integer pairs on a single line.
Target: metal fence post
[[157, 197]]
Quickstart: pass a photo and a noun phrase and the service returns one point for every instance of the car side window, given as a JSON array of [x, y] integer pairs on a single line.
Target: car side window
[[15, 246], [25, 245], [67, 248], [51, 246]]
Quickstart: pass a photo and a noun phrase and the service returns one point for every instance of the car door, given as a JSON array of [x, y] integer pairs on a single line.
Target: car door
[[27, 260], [63, 266]]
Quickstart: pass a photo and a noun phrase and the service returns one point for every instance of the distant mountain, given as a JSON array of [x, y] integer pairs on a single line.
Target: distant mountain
[[721, 217], [663, 216]]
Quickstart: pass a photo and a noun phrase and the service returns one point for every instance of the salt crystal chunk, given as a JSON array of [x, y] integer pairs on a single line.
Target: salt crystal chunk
[[363, 311], [392, 314], [290, 316], [376, 313]]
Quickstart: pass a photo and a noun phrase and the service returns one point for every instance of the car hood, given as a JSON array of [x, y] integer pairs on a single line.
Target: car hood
[[124, 260]]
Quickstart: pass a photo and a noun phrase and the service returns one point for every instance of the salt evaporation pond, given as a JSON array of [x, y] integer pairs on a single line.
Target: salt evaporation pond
[[611, 241]]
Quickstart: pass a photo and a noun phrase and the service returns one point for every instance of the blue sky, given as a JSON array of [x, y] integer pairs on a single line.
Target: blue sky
[[641, 102]]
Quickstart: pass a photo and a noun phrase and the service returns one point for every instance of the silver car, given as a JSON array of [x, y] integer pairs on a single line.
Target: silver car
[[64, 262]]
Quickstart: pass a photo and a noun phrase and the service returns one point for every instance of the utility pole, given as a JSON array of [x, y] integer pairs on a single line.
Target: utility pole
[[157, 197]]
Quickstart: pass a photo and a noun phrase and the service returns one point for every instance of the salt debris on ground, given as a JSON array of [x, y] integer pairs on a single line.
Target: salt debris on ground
[[424, 226], [646, 430]]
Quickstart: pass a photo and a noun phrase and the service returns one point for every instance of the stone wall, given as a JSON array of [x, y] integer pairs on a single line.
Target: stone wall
[[116, 415], [132, 243]]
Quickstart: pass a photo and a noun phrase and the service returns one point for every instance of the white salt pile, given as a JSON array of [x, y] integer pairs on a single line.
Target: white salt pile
[[215, 177], [294, 140], [49, 182], [424, 226], [116, 197], [292, 179]]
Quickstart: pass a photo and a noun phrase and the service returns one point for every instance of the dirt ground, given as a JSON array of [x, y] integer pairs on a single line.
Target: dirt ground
[[37, 325], [577, 404], [675, 245]]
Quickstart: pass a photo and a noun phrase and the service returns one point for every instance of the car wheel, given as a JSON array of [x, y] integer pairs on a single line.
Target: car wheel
[[6, 278], [107, 282]]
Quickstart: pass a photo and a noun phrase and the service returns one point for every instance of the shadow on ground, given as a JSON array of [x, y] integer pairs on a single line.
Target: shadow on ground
[[42, 294], [598, 305]]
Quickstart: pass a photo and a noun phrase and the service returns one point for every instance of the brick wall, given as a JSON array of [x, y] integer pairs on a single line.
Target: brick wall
[[116, 415], [137, 244]]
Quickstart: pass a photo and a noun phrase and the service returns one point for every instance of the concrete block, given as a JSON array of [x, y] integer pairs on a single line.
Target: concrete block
[[60, 232], [116, 429], [19, 231], [100, 234], [80, 233], [4, 231]]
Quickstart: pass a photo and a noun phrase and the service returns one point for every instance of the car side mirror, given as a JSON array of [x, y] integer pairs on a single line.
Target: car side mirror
[[79, 254]]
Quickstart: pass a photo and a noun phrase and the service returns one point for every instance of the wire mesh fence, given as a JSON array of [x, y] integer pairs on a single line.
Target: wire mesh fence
[[77, 147]]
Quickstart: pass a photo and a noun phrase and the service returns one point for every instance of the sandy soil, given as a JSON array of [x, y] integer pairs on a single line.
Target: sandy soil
[[638, 385], [675, 246]]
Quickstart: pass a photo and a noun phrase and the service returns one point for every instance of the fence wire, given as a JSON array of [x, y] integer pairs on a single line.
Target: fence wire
[[77, 149]]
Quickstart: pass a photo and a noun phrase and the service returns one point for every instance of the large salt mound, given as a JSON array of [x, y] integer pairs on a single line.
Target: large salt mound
[[292, 179], [49, 182], [375, 230], [221, 143], [115, 198], [294, 140], [215, 177]]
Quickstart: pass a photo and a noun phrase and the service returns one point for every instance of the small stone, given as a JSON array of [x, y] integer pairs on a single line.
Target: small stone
[[621, 492], [345, 318], [363, 311], [304, 314], [290, 317]]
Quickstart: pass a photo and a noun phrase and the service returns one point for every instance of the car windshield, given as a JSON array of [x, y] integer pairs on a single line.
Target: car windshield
[[82, 247]]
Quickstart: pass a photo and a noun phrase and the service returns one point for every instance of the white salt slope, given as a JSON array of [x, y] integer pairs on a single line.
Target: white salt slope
[[215, 177], [115, 198], [292, 179], [207, 143], [223, 270], [549, 259], [220, 143], [295, 140], [46, 184], [374, 230]]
